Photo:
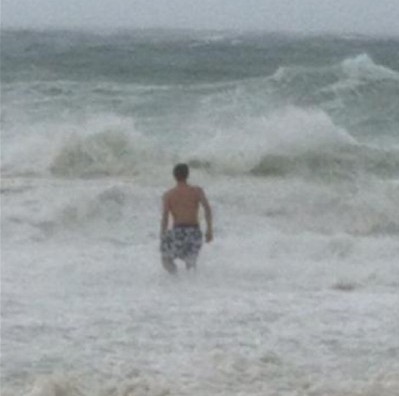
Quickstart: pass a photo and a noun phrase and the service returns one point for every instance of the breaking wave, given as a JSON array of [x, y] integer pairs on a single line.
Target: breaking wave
[[103, 154], [294, 142], [103, 146]]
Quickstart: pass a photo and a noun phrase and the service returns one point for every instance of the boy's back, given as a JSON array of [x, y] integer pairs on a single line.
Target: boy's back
[[183, 202]]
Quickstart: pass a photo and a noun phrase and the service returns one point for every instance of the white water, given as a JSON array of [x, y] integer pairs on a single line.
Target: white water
[[288, 300]]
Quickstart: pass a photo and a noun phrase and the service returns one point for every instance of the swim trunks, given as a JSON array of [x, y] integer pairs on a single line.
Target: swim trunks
[[182, 241]]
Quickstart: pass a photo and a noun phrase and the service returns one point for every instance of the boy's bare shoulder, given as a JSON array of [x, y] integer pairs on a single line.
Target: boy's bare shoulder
[[197, 189]]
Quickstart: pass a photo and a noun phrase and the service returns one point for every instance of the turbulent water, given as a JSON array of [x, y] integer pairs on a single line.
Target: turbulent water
[[296, 142]]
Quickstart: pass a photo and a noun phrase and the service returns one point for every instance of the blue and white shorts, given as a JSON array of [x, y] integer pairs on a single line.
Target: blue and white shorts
[[182, 241]]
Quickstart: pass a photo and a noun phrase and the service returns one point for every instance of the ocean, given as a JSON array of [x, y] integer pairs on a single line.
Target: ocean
[[295, 140]]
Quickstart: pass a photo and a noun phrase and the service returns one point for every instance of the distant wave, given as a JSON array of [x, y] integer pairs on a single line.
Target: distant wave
[[103, 154]]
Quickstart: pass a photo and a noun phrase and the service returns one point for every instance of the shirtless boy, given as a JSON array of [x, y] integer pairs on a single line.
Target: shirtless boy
[[184, 239]]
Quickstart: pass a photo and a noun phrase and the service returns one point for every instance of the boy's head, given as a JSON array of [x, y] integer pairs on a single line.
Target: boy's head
[[181, 172]]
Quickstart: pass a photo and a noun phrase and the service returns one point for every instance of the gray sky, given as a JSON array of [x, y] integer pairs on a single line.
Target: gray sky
[[349, 16]]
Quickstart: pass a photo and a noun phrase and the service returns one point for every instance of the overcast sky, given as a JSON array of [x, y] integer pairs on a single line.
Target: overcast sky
[[349, 16]]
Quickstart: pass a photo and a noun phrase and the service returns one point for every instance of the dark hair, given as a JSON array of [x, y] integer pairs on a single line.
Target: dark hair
[[181, 172]]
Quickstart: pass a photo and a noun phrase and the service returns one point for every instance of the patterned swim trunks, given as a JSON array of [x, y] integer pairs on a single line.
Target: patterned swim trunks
[[183, 242]]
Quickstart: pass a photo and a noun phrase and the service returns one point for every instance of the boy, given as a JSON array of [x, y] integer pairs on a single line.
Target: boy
[[184, 240]]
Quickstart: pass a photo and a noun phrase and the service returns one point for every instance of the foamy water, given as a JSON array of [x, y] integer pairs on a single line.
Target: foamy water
[[276, 306], [298, 293]]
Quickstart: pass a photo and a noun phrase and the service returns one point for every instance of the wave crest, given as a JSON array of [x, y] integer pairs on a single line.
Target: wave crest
[[363, 67], [271, 142], [108, 153]]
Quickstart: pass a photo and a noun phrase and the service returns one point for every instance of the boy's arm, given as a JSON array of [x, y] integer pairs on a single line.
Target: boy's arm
[[165, 215], [208, 215]]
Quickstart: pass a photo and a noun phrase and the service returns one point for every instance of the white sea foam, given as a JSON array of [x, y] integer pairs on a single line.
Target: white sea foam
[[106, 320], [83, 280]]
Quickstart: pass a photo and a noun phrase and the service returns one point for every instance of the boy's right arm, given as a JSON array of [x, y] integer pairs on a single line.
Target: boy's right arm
[[165, 215]]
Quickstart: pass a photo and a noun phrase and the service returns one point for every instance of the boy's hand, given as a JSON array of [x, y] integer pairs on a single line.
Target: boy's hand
[[209, 236]]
